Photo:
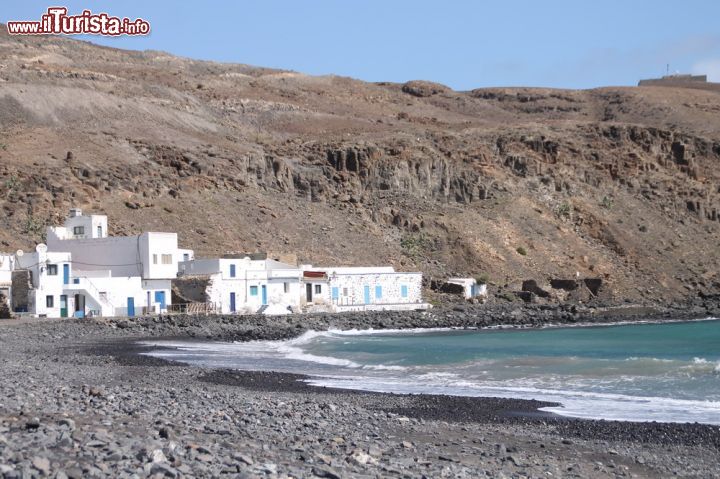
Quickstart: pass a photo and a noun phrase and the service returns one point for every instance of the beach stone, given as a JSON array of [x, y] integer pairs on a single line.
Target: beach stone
[[375, 451], [42, 464], [362, 458], [67, 422], [157, 455], [32, 424], [163, 469], [243, 458], [326, 472]]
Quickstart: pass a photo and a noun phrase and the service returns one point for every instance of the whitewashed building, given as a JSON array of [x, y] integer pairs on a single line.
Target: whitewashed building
[[82, 271], [361, 288], [247, 284], [7, 264], [47, 278], [470, 287]]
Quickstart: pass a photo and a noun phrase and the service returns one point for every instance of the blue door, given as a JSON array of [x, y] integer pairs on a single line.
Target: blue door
[[131, 306], [366, 290], [160, 298], [264, 294], [378, 292], [232, 302], [66, 274], [335, 293]]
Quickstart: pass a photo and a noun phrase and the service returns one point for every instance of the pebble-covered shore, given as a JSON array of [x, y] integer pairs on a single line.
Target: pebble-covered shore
[[78, 401]]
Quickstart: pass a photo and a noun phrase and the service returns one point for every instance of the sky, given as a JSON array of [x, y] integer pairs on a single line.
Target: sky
[[464, 44]]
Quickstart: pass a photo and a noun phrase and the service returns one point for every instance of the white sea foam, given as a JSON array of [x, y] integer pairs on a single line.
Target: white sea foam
[[581, 404]]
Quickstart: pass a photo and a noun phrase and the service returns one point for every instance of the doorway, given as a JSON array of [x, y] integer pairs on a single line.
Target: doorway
[[63, 306], [160, 298], [308, 292], [79, 306]]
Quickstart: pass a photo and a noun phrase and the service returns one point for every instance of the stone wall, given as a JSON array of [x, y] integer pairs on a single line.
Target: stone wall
[[21, 286]]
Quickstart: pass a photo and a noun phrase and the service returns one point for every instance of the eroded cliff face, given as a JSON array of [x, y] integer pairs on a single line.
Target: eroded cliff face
[[511, 184]]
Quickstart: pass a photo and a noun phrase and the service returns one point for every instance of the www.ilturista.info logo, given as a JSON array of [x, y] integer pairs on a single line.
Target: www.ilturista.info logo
[[57, 22]]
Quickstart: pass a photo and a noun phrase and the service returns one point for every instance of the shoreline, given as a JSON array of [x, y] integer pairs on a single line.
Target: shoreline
[[448, 408], [78, 395], [551, 406]]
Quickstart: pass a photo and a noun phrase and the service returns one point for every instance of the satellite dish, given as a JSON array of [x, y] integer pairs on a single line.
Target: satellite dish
[[41, 248], [19, 253]]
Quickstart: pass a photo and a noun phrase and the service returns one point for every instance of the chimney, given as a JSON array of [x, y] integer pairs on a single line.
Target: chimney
[[74, 212]]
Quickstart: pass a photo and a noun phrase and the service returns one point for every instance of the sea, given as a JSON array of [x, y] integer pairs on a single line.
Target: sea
[[664, 372]]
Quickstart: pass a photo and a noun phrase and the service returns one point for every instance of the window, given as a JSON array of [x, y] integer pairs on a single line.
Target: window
[[52, 270], [79, 230], [167, 259], [232, 270], [378, 292], [253, 290], [50, 301], [403, 291], [186, 257], [345, 291], [286, 287], [318, 288], [99, 230], [154, 259]]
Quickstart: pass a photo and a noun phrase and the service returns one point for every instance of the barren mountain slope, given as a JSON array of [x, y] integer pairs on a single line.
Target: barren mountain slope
[[619, 183]]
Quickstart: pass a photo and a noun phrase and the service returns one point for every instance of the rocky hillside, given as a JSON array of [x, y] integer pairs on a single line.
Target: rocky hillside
[[512, 184]]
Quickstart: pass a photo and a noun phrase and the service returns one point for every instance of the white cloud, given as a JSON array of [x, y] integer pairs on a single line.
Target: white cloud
[[710, 67]]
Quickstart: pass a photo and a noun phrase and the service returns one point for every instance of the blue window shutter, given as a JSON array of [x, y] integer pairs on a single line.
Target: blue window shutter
[[404, 291], [253, 290], [378, 292], [232, 270]]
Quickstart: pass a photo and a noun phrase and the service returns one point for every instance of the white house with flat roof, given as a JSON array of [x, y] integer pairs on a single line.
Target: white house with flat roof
[[7, 264], [46, 295], [361, 288], [471, 288], [83, 271], [247, 283]]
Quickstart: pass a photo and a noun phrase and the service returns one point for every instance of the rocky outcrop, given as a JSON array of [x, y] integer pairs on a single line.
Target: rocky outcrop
[[421, 88]]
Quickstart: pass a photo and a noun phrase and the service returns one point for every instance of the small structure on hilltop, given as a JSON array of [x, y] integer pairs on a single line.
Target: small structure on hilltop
[[676, 79]]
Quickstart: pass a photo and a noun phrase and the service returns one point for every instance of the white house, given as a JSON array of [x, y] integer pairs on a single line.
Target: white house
[[83, 271], [470, 287], [247, 283], [48, 276], [361, 288], [7, 264]]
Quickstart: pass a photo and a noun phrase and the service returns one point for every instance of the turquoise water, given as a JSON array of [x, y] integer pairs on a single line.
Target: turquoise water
[[639, 372]]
